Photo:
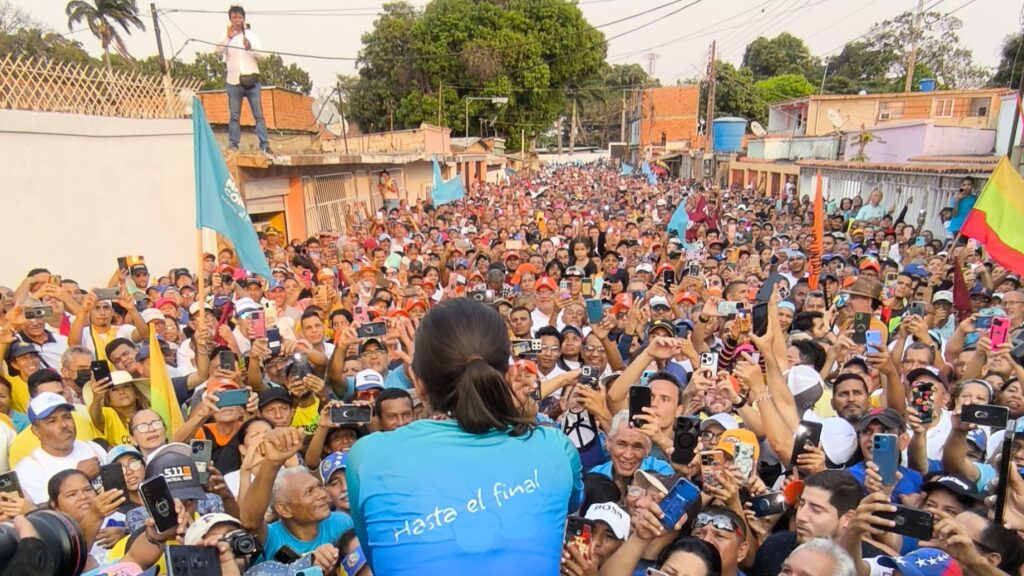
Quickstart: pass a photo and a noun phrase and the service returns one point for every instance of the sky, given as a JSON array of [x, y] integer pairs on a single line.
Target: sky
[[681, 41]]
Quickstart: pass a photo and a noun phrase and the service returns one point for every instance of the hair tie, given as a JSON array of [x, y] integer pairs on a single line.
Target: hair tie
[[474, 358]]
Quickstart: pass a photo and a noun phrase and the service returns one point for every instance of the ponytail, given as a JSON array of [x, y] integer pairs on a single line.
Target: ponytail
[[483, 401]]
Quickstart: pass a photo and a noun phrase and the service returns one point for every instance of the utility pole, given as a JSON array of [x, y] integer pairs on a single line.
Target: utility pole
[[168, 88], [440, 99], [572, 131], [622, 129], [915, 30], [710, 114], [341, 110]]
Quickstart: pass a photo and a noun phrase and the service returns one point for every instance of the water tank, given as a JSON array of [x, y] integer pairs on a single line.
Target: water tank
[[927, 84], [727, 133]]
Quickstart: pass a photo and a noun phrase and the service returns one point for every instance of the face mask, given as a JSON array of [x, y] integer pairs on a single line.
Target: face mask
[[82, 377]]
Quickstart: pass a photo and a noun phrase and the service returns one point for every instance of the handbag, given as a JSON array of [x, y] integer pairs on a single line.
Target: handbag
[[249, 81]]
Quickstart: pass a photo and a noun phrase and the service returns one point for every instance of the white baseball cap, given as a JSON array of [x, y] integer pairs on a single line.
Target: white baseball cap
[[368, 379], [197, 531], [44, 404], [152, 315], [611, 514], [943, 296]]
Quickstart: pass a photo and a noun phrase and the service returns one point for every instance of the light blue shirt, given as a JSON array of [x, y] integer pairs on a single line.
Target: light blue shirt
[[869, 212], [430, 498], [278, 536], [650, 463]]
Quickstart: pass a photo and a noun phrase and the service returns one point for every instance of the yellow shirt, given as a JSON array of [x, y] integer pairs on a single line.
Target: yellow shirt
[[114, 429], [19, 393], [307, 417], [25, 442]]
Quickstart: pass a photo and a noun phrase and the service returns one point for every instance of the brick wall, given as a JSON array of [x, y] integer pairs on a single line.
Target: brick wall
[[675, 112], [282, 109]]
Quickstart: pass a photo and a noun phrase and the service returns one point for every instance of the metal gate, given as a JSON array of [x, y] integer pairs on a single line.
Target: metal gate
[[327, 198]]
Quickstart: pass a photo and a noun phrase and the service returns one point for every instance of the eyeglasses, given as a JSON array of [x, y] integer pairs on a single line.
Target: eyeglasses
[[372, 354], [635, 491], [554, 349], [708, 435], [717, 521], [153, 426], [592, 349]]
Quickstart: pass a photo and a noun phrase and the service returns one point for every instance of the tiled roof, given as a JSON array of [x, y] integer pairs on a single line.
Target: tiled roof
[[918, 168]]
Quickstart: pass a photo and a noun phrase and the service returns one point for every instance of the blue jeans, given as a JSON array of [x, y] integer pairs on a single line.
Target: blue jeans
[[235, 95]]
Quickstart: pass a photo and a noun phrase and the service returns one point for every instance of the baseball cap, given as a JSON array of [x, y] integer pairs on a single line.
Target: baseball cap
[[44, 404], [963, 489], [197, 531], [806, 386], [546, 282], [368, 379], [164, 302], [122, 450], [574, 272], [730, 438], [645, 267], [331, 464], [722, 419], [885, 416], [663, 325], [245, 305], [943, 296], [274, 394], [922, 562], [979, 439], [611, 514], [659, 301], [926, 372], [152, 315], [19, 348], [174, 462]]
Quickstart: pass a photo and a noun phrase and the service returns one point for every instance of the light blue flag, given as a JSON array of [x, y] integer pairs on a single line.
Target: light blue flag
[[219, 204], [445, 192], [679, 222], [652, 178], [627, 170]]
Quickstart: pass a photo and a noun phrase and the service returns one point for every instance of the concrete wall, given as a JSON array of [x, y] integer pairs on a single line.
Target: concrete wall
[[823, 147], [901, 143], [858, 110], [83, 190], [1007, 116]]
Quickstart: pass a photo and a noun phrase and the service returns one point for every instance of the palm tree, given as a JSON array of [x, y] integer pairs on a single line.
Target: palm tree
[[101, 17]]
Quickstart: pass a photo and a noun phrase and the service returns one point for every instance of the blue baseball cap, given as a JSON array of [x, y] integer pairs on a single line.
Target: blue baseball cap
[[123, 450], [44, 404], [275, 285], [979, 439], [334, 462]]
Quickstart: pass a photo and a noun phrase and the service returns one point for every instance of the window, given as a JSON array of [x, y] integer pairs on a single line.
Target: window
[[979, 107], [890, 110], [944, 108]]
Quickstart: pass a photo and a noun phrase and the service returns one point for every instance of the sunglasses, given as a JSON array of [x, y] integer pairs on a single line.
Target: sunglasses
[[718, 522]]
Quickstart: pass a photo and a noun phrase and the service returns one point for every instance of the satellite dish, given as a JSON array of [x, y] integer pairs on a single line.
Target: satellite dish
[[757, 129], [326, 112], [834, 118]]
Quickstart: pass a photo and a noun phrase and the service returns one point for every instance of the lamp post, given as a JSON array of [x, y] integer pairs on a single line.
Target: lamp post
[[493, 99]]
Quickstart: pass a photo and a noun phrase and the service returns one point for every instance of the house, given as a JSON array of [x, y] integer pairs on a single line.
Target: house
[[663, 120], [479, 159]]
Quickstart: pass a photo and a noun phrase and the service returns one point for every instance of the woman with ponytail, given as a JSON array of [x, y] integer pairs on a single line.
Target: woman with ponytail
[[478, 488]]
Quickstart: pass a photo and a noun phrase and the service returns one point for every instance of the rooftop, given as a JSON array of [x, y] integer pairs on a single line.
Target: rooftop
[[932, 167], [897, 95]]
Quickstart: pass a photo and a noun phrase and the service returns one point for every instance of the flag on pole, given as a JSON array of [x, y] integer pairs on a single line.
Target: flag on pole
[[961, 293], [652, 178], [162, 398], [995, 219], [818, 242], [445, 192], [627, 170], [679, 222], [219, 204]]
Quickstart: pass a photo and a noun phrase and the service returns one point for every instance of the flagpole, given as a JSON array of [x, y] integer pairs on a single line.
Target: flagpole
[[201, 279]]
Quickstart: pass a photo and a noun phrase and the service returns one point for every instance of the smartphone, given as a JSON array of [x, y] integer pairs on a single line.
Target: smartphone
[[759, 319], [873, 340], [595, 311], [100, 370], [669, 278], [258, 324], [639, 398], [521, 348], [638, 295], [160, 504], [919, 242], [588, 377], [1018, 353], [890, 278], [37, 312], [372, 330], [885, 454], [286, 555], [768, 504], [579, 533], [300, 366], [192, 560], [229, 398], [202, 453], [917, 309], [122, 264], [709, 360], [743, 323], [106, 294], [999, 330], [352, 414], [985, 415], [678, 499], [693, 269], [921, 400], [587, 288], [9, 482], [684, 440], [983, 322], [744, 459], [861, 324], [726, 308], [910, 522], [807, 433], [274, 340], [360, 315], [112, 478], [712, 465], [563, 289], [226, 360]]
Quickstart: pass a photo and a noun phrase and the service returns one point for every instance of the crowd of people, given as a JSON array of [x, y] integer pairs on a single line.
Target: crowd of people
[[548, 376]]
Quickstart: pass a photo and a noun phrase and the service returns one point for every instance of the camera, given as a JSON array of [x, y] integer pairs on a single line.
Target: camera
[[242, 543], [61, 535]]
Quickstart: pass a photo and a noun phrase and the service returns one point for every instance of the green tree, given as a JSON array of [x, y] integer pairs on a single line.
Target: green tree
[[859, 67], [535, 52], [783, 87], [600, 102], [735, 94], [273, 72], [102, 17], [43, 45], [1011, 62], [784, 54], [939, 49]]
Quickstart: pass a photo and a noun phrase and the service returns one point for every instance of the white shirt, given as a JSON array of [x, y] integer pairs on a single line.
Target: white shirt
[[122, 331], [539, 319], [244, 345], [51, 350], [36, 469], [239, 60]]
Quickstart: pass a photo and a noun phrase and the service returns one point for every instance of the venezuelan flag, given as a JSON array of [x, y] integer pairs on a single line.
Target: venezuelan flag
[[995, 219], [162, 399]]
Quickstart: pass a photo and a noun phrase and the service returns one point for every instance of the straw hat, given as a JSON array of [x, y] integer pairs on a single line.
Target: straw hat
[[866, 287]]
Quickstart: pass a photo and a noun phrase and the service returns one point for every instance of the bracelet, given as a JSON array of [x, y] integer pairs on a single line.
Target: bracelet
[[702, 319], [743, 402], [764, 396]]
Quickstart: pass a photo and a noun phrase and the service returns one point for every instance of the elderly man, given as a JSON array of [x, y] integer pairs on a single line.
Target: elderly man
[[306, 523], [53, 423], [630, 451]]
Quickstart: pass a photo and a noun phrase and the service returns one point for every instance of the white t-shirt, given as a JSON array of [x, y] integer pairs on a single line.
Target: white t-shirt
[[36, 469], [122, 331], [539, 318]]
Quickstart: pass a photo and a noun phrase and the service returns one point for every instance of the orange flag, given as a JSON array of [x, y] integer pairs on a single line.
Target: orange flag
[[817, 243]]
